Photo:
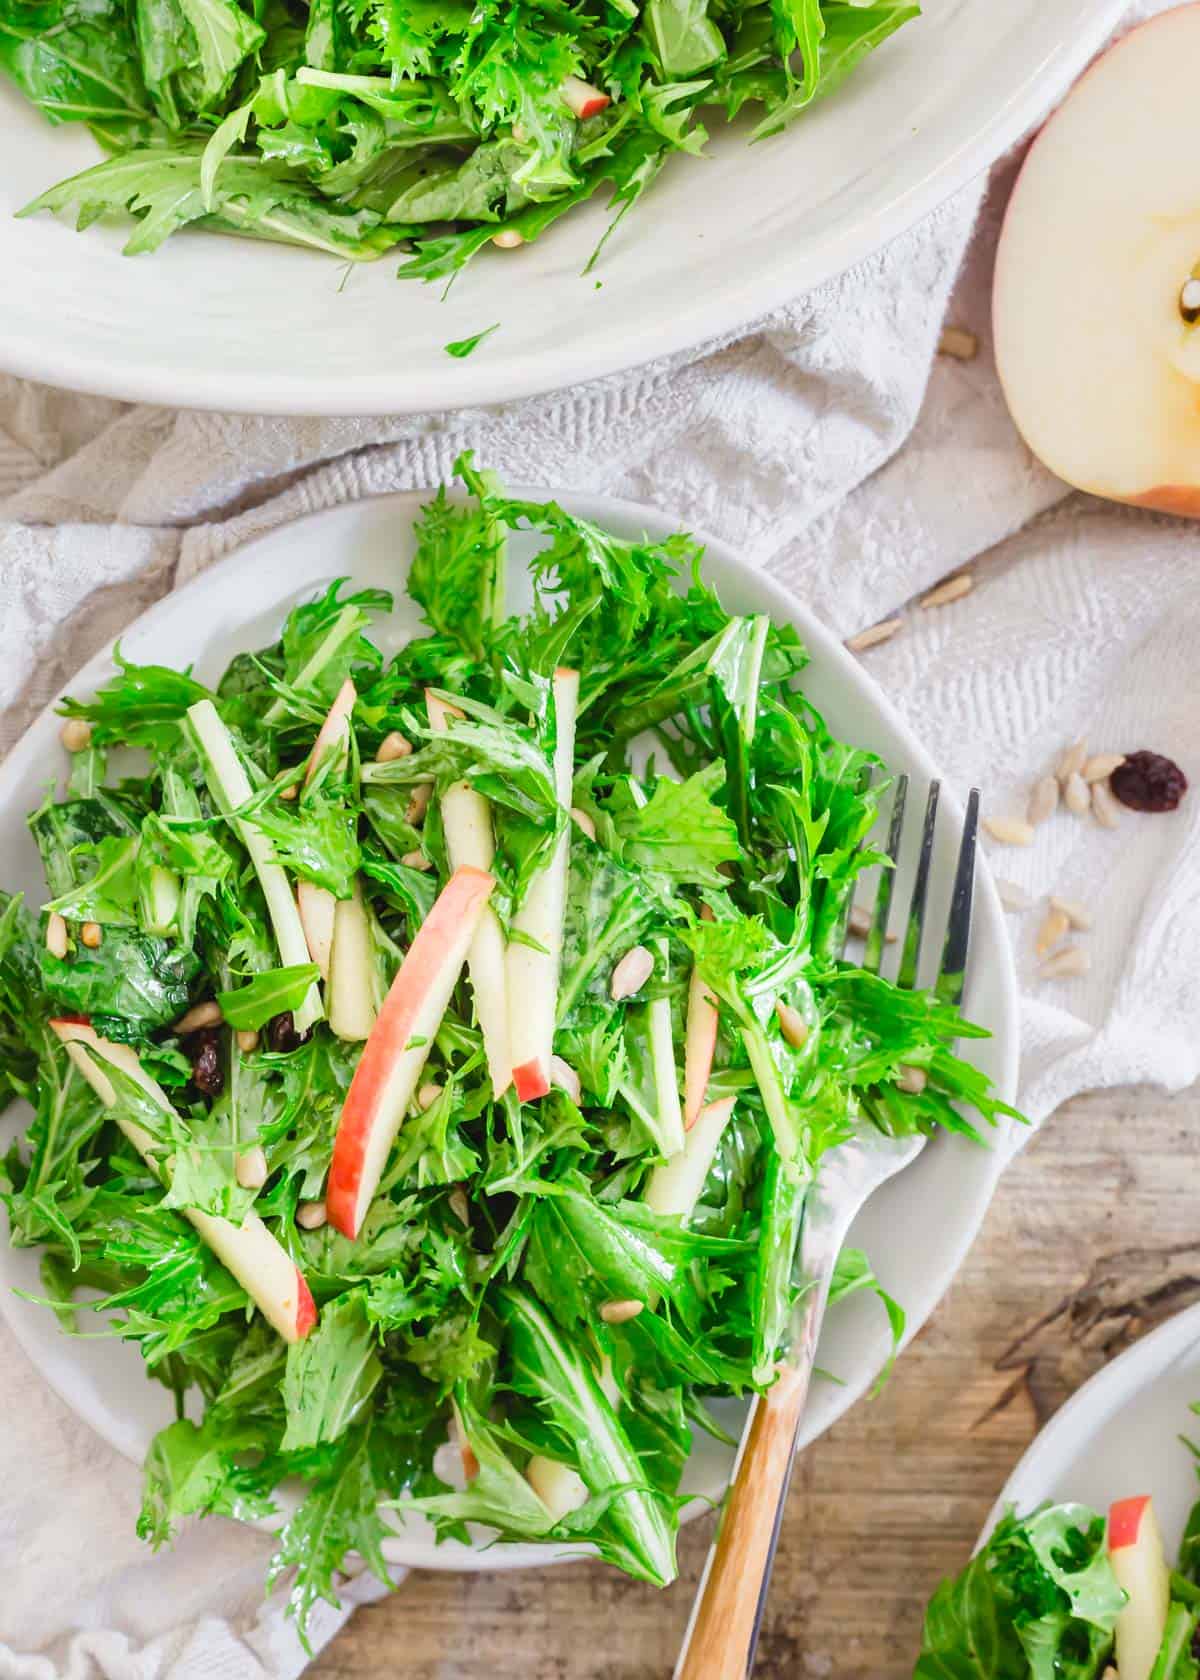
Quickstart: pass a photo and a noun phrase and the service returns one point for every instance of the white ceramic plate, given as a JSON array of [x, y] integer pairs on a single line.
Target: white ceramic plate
[[222, 323], [1119, 1436], [916, 1230]]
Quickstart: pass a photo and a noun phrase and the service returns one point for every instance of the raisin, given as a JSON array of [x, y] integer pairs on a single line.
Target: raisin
[[1148, 782], [282, 1035], [203, 1049]]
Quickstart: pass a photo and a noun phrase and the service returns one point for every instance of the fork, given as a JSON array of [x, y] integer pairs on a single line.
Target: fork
[[722, 1634]]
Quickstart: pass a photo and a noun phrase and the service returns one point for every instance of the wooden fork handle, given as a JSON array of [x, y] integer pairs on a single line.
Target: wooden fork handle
[[720, 1642]]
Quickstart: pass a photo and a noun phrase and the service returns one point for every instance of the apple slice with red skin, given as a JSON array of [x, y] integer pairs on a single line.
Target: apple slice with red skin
[[392, 1060], [532, 970], [261, 1265], [334, 733], [467, 825], [1135, 1550], [582, 99], [1100, 368]]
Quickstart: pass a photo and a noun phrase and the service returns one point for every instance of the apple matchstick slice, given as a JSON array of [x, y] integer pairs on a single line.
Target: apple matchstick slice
[[261, 1265], [350, 994], [467, 824], [1096, 305], [532, 969], [393, 1057], [1135, 1550], [675, 1186], [317, 905]]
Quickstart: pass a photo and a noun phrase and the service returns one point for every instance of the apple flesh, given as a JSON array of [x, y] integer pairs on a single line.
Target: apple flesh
[[467, 825], [261, 1265], [532, 970], [393, 1057], [582, 99], [318, 909], [350, 994], [700, 1043], [1135, 1550], [1100, 369], [675, 1186]]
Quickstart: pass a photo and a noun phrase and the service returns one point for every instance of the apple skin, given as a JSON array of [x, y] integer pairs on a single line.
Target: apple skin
[[582, 98], [390, 1066], [261, 1265], [1135, 1550], [1121, 321]]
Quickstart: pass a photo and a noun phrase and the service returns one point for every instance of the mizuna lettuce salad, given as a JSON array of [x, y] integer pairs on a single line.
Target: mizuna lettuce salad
[[1068, 1594], [358, 126], [437, 1048]]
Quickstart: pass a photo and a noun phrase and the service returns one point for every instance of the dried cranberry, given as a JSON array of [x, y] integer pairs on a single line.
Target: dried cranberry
[[282, 1035], [1148, 782], [203, 1049]]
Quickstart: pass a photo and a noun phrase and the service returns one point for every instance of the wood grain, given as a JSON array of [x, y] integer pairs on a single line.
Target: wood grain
[[719, 1647], [1094, 1238]]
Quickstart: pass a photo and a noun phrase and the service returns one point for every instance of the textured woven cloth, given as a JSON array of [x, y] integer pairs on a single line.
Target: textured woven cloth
[[828, 444]]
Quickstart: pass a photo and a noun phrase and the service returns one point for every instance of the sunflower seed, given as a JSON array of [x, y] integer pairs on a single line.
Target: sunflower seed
[[912, 1079], [75, 735], [1072, 761], [200, 1015], [1009, 831], [959, 343], [250, 1169], [459, 1205], [508, 239], [90, 934], [428, 1094], [1011, 895], [1065, 965], [418, 803], [1077, 914], [247, 1040], [1043, 801], [310, 1216], [631, 973], [881, 632], [417, 860], [393, 746], [1101, 766], [1075, 794], [792, 1025], [1105, 808], [858, 922], [620, 1312], [583, 821], [1052, 931], [952, 590], [56, 935]]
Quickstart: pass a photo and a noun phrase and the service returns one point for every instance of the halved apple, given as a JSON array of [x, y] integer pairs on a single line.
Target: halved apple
[[532, 969], [467, 824], [1135, 1550], [1100, 367], [261, 1265], [390, 1066]]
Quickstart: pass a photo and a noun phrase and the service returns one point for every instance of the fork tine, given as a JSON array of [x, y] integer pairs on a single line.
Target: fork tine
[[953, 972], [910, 957], [873, 954]]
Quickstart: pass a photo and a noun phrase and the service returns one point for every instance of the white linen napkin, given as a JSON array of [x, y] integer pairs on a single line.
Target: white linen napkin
[[830, 445]]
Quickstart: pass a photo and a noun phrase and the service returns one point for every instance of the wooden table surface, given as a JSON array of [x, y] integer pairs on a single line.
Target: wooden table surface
[[1093, 1239]]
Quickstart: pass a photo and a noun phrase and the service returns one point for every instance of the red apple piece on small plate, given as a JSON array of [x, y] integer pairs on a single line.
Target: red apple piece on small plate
[[1100, 365], [467, 824], [1135, 1550], [392, 1060], [260, 1264]]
